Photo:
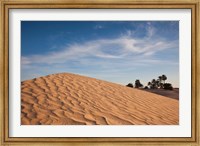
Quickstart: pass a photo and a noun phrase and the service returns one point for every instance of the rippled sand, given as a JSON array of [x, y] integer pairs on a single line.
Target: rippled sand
[[69, 99]]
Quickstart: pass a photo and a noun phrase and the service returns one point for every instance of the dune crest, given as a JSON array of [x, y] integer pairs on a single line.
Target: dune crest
[[69, 99]]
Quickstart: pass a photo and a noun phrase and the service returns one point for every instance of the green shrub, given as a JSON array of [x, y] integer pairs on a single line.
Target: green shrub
[[130, 85], [167, 86]]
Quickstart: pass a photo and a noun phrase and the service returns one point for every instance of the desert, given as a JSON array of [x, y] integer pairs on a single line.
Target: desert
[[72, 99]]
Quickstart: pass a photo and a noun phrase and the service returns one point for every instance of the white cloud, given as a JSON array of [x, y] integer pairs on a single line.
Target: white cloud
[[129, 33], [122, 47], [98, 27], [25, 60], [150, 30]]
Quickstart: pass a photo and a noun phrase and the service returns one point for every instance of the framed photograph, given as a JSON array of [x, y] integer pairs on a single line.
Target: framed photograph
[[104, 72]]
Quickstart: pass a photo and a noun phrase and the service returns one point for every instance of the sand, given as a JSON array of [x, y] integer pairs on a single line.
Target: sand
[[69, 99]]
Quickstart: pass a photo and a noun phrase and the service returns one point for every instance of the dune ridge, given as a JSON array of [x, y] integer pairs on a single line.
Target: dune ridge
[[69, 99]]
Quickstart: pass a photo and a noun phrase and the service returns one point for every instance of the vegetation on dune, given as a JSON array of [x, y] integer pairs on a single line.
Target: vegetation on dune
[[153, 84], [167, 86], [160, 83], [130, 85], [138, 84]]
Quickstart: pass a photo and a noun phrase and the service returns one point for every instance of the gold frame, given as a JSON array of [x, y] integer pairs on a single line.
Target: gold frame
[[146, 4]]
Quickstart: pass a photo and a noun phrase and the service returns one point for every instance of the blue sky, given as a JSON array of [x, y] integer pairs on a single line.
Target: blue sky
[[116, 51]]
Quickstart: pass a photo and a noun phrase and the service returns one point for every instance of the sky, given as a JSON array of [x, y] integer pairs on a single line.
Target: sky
[[115, 51]]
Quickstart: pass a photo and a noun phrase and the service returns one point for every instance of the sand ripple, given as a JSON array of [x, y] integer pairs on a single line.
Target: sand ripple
[[69, 99]]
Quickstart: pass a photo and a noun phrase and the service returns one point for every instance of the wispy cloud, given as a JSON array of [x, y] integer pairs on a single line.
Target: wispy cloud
[[150, 30], [98, 26], [122, 47]]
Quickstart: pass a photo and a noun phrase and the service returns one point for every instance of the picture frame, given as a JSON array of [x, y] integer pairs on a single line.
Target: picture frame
[[6, 5]]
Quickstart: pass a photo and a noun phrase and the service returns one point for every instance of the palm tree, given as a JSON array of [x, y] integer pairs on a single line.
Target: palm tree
[[138, 84], [153, 83], [160, 78], [164, 77], [149, 83], [158, 83]]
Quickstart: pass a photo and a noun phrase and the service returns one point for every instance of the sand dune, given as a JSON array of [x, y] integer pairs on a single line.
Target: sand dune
[[69, 99]]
